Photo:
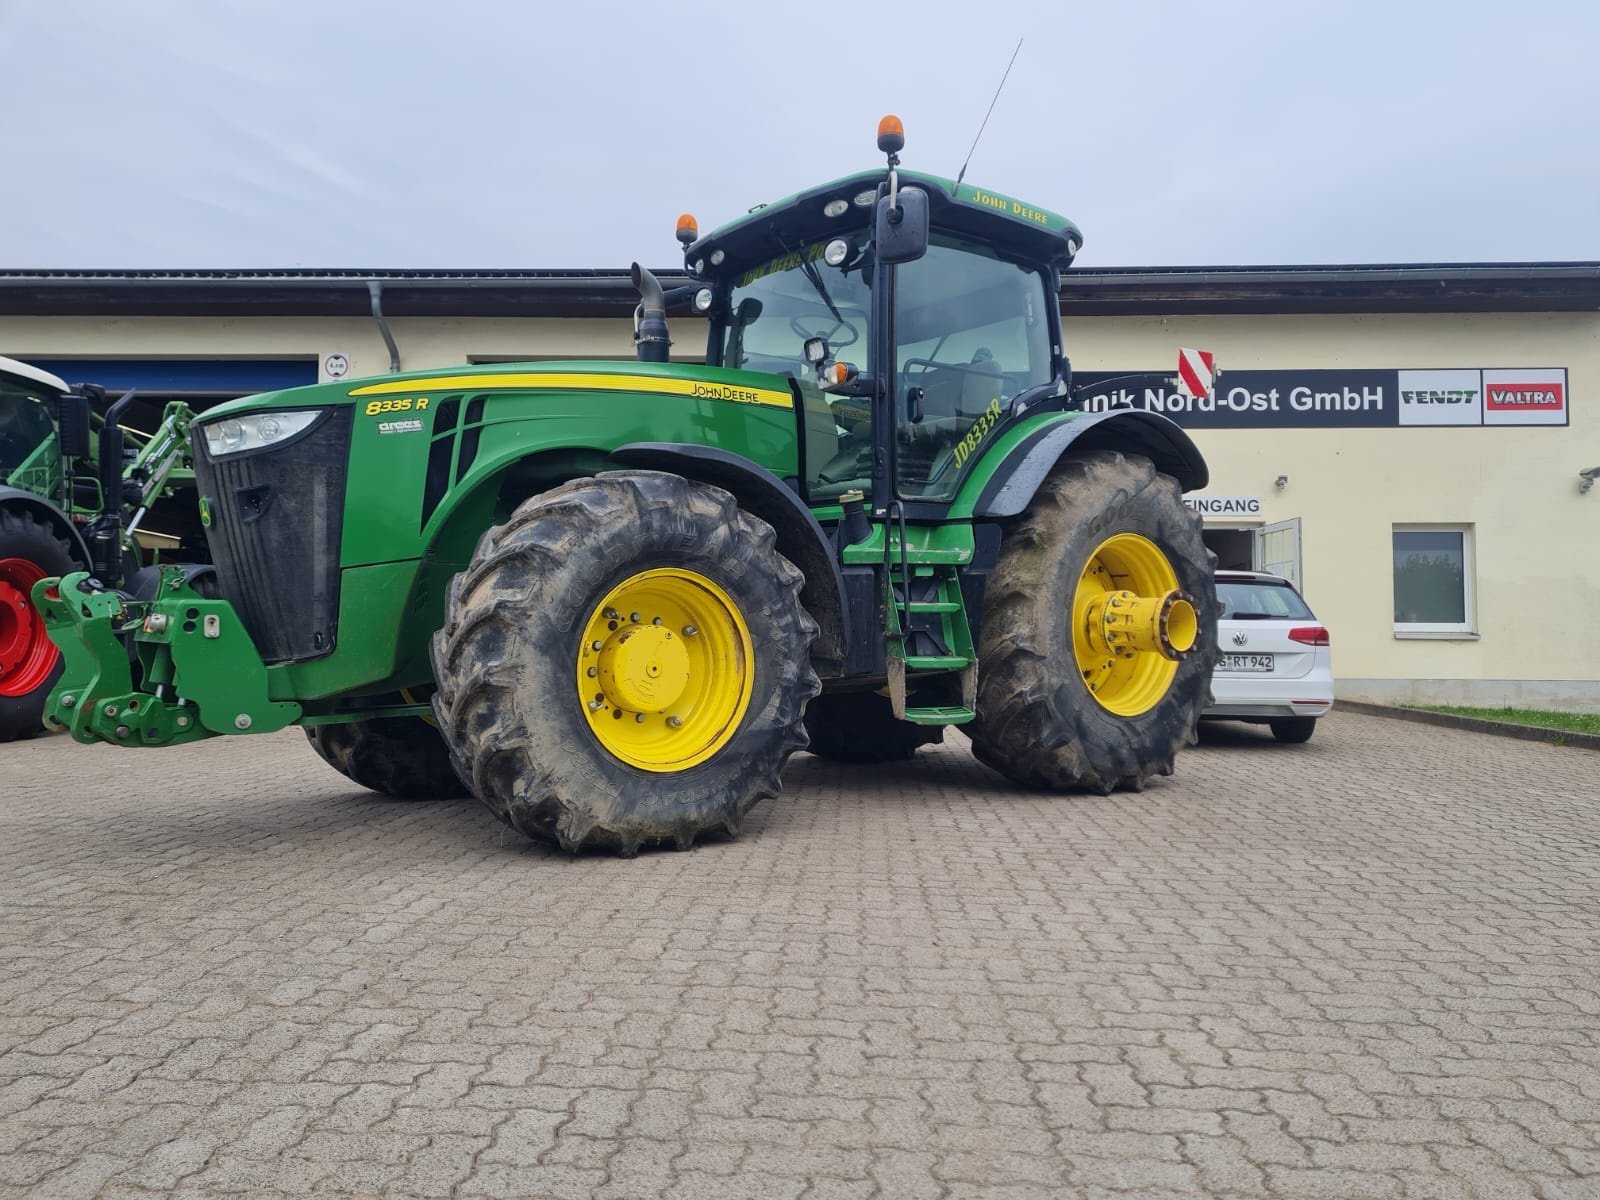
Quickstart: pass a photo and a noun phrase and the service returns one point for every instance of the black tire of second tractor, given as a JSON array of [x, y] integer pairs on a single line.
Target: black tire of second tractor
[[402, 757], [506, 658], [22, 536], [1037, 722], [860, 727]]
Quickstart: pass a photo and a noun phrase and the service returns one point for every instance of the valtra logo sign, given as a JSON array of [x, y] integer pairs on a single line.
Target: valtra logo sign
[[1534, 397], [1525, 395]]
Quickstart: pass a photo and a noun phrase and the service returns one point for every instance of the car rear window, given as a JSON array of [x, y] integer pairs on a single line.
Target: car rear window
[[1253, 600]]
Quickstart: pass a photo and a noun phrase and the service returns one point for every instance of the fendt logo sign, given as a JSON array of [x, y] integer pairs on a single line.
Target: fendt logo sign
[[1355, 398]]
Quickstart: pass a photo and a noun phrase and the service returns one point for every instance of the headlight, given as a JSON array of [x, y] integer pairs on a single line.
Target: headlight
[[702, 300], [835, 252], [835, 208], [238, 434]]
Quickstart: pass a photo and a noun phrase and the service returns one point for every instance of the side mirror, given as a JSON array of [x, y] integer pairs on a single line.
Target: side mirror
[[72, 425], [900, 232]]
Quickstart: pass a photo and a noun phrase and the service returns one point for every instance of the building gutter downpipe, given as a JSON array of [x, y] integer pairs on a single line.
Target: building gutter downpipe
[[375, 290]]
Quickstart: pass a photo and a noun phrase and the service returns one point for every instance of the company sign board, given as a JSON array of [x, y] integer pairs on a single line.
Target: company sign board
[[1350, 399]]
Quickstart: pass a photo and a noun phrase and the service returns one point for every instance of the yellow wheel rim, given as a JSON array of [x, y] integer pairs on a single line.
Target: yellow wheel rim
[[665, 669], [1130, 624]]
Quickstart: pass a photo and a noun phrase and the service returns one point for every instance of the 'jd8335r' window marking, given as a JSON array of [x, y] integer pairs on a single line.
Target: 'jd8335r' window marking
[[980, 430]]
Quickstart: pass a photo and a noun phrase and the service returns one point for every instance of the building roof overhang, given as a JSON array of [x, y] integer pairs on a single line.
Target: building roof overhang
[[1085, 291]]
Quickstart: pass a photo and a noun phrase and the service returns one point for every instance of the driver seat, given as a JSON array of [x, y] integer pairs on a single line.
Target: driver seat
[[963, 393]]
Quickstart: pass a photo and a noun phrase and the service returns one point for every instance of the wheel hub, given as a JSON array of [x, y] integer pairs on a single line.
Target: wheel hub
[[665, 669], [1131, 624], [1125, 624], [27, 655], [643, 668]]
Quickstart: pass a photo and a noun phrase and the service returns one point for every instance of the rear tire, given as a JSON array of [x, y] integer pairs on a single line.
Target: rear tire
[[860, 727], [1293, 730], [528, 625], [403, 757], [1038, 723], [30, 664]]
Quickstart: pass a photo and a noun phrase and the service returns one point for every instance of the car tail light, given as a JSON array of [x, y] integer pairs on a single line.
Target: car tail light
[[1309, 635]]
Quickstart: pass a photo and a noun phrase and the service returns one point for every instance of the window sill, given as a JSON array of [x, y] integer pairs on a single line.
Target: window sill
[[1435, 635]]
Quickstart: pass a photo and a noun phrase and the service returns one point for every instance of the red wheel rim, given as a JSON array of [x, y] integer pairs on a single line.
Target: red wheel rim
[[27, 655]]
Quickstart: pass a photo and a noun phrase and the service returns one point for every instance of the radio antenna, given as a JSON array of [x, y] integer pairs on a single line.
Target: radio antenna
[[962, 174]]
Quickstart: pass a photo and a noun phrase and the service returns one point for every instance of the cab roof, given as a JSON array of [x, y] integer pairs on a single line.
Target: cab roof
[[1016, 229], [27, 374]]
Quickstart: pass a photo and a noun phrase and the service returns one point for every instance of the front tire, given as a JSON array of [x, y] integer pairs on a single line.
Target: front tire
[[403, 757], [30, 663], [1051, 714], [625, 661]]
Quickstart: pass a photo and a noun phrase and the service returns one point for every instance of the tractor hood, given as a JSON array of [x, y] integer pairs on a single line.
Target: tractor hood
[[600, 376]]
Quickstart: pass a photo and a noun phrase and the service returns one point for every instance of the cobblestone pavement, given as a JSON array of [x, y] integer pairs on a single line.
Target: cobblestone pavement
[[1364, 967]]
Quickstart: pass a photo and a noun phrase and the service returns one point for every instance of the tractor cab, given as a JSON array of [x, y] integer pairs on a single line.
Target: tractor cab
[[916, 316], [26, 426]]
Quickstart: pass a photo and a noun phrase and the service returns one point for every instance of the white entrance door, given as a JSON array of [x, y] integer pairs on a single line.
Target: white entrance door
[[1278, 549]]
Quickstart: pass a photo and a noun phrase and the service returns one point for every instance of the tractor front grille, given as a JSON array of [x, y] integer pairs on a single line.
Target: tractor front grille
[[276, 519]]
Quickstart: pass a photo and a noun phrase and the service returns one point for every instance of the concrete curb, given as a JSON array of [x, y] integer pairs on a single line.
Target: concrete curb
[[1526, 733]]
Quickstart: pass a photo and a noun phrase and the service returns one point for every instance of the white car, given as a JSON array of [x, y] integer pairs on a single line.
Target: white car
[[1275, 668]]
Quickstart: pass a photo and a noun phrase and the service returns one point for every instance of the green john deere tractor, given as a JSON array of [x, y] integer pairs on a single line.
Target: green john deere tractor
[[604, 597], [63, 495]]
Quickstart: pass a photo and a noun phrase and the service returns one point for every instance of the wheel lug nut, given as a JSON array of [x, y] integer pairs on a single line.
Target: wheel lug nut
[[656, 621], [675, 722], [634, 617], [610, 614], [639, 718], [595, 645], [691, 630], [593, 671], [594, 706]]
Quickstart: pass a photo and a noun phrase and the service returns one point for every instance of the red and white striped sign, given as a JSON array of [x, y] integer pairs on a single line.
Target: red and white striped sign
[[1197, 370]]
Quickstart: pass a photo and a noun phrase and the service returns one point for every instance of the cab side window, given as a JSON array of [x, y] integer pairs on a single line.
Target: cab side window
[[972, 332]]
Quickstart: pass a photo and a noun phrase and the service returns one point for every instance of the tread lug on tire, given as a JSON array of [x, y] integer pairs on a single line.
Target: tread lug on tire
[[507, 664], [1037, 722]]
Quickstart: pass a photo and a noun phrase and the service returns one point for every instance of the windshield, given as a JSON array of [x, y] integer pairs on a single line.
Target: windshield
[[24, 426], [776, 306], [1255, 600]]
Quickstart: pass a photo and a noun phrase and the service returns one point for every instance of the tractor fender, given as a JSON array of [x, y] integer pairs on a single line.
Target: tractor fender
[[1018, 475], [761, 493], [18, 500]]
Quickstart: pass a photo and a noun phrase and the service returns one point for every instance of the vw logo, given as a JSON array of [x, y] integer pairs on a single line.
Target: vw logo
[[1240, 639]]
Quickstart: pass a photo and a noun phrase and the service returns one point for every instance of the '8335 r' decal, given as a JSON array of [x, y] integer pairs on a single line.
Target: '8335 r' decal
[[378, 408]]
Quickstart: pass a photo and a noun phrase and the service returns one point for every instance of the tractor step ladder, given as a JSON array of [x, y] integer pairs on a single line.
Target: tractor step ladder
[[903, 566]]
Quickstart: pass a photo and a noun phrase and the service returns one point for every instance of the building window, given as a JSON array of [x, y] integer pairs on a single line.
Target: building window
[[1433, 581]]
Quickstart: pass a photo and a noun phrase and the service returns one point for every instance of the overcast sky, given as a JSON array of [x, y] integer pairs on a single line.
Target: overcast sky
[[492, 133]]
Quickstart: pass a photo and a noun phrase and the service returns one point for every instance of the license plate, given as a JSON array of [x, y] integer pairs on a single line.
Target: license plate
[[1247, 662]]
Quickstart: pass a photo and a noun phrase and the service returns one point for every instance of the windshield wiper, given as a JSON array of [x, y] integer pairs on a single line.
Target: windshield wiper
[[814, 277]]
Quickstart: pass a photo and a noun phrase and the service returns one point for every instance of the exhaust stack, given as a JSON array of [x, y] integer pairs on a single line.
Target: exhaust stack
[[650, 338]]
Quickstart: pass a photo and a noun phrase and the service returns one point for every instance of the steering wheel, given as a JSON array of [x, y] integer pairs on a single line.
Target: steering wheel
[[798, 327]]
